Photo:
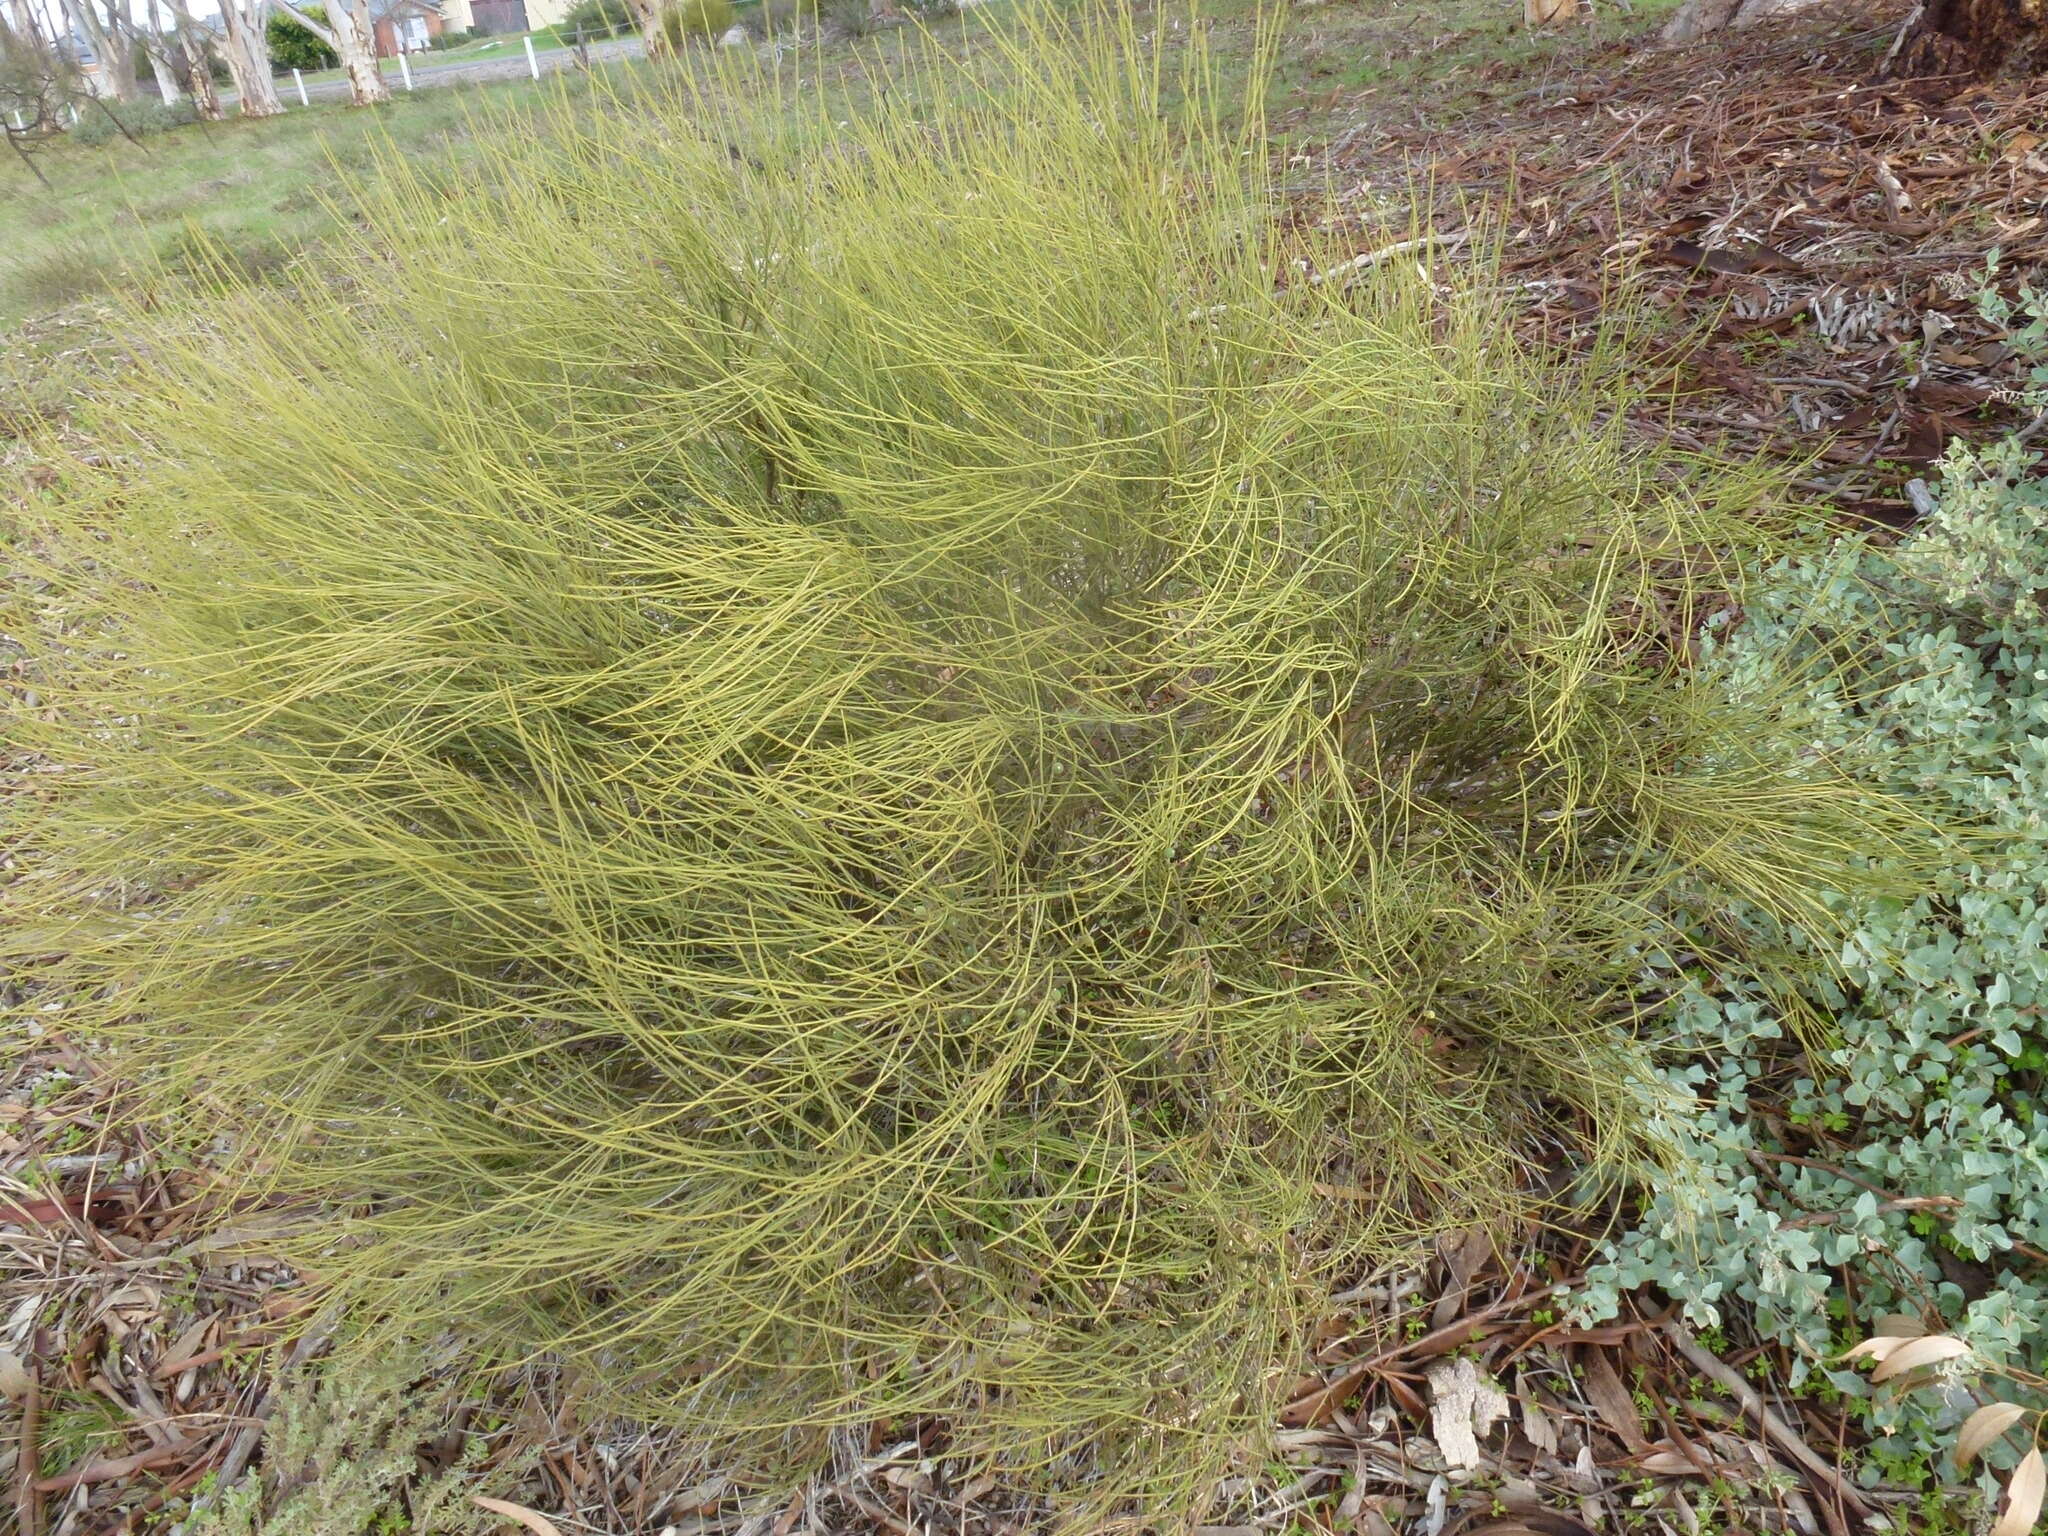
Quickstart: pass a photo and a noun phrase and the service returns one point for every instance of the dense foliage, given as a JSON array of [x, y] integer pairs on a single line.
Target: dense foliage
[[1899, 1163], [685, 21], [295, 46], [597, 18], [850, 769], [107, 120]]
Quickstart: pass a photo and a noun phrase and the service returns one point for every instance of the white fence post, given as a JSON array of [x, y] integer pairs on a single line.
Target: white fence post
[[304, 101], [532, 64], [404, 69]]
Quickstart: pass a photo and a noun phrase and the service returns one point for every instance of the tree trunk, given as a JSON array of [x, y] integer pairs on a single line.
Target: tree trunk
[[1700, 18], [25, 23], [156, 44], [1540, 13], [115, 78], [199, 83], [354, 42], [648, 14], [194, 42], [358, 51], [248, 55], [1980, 37]]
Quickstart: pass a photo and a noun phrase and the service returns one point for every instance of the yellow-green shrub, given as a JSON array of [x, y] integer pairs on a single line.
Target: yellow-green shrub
[[684, 20], [857, 771]]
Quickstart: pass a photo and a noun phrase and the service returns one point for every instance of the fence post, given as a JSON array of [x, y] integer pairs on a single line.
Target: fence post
[[404, 69], [532, 64], [300, 81]]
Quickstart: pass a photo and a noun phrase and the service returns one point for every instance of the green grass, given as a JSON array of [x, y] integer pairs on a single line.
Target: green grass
[[118, 218]]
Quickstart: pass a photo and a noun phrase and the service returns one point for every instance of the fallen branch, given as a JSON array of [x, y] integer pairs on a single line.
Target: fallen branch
[[1368, 259], [110, 1469], [28, 1499], [1718, 1371]]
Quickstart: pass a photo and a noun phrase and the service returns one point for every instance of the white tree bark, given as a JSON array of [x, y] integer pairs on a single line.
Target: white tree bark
[[354, 42], [1698, 18], [248, 54], [110, 47], [648, 13], [156, 44]]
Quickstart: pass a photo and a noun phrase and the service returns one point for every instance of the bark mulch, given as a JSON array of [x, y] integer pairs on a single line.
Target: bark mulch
[[1809, 234]]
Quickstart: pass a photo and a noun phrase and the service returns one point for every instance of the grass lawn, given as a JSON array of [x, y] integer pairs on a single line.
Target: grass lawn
[[253, 190]]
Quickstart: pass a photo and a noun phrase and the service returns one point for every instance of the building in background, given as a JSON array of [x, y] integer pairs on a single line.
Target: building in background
[[405, 26]]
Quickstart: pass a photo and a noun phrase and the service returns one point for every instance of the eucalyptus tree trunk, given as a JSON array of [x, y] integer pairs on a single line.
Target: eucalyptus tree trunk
[[110, 46], [354, 42], [1698, 18], [1984, 37], [248, 56], [648, 14], [156, 43], [193, 40]]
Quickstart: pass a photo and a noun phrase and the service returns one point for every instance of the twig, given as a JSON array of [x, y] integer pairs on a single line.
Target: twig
[[28, 1499], [1904, 1203], [1369, 259], [1898, 42], [113, 1469], [27, 159], [1712, 1367], [243, 1448], [876, 1512]]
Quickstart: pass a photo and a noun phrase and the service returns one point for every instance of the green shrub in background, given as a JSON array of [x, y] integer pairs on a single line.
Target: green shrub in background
[[596, 17], [851, 769], [1900, 1165], [102, 121], [685, 21], [293, 46]]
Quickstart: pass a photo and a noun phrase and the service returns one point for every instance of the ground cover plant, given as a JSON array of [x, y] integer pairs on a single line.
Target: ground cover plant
[[900, 766], [1883, 1167]]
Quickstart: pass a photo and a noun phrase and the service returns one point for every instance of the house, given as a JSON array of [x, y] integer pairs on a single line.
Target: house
[[403, 26], [499, 16]]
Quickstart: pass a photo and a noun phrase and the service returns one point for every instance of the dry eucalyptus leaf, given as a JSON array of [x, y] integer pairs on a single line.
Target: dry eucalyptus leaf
[[1537, 1426], [2023, 1496], [15, 1381], [532, 1519], [1983, 1427], [1911, 1354]]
